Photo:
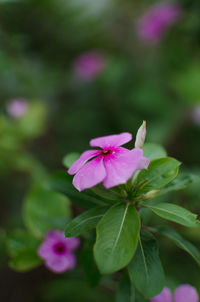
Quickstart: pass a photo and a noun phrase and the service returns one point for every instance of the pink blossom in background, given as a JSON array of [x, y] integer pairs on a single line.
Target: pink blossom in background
[[183, 293], [113, 165], [57, 251], [17, 108], [89, 65], [195, 115], [152, 26]]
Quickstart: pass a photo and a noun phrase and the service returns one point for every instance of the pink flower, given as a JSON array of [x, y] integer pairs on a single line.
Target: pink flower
[[88, 65], [57, 251], [183, 293], [17, 108], [154, 23], [113, 165]]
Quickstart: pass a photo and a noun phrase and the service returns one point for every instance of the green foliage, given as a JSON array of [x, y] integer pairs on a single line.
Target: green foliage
[[174, 213], [179, 241], [125, 291], [22, 248], [32, 123], [85, 222], [159, 173], [89, 266], [69, 159], [145, 270], [117, 238], [153, 151], [62, 182], [45, 210], [181, 182]]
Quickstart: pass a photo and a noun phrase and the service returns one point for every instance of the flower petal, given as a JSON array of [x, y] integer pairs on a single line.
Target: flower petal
[[60, 264], [90, 174], [164, 296], [186, 293], [85, 156], [120, 167], [72, 243], [45, 250], [115, 140]]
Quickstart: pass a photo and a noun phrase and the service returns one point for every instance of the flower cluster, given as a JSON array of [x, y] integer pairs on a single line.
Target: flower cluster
[[57, 251]]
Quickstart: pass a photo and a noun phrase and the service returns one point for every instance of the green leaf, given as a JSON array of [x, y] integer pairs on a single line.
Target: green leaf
[[145, 270], [179, 183], [179, 241], [45, 210], [89, 266], [159, 173], [69, 159], [85, 222], [153, 151], [174, 213], [117, 238], [62, 182], [125, 291], [22, 248], [25, 261]]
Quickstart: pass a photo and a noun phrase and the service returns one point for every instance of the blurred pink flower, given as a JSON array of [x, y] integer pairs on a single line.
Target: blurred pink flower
[[154, 23], [113, 165], [89, 65], [17, 107], [195, 115], [183, 293], [57, 251]]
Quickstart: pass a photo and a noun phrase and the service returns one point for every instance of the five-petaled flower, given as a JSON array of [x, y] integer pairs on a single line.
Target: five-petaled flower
[[57, 251], [183, 293], [113, 165]]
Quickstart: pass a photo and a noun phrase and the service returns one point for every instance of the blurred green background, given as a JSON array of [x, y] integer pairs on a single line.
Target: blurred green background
[[39, 42]]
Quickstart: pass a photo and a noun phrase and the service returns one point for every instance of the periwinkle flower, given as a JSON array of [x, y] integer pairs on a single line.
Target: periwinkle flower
[[89, 65], [17, 107], [57, 251], [113, 165], [152, 26], [183, 293]]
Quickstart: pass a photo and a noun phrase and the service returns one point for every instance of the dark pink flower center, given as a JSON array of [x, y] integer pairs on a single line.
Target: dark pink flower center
[[107, 152], [60, 248]]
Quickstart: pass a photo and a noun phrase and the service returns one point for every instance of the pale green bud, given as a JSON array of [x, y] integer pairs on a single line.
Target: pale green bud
[[141, 135]]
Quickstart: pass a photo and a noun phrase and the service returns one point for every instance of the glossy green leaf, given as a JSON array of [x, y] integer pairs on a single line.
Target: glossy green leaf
[[174, 213], [154, 151], [69, 159], [125, 291], [179, 241], [62, 182], [22, 248], [159, 173], [85, 222], [145, 269], [45, 210], [117, 238]]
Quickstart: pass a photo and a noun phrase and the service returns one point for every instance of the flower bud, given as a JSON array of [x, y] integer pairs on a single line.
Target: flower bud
[[150, 195], [141, 135]]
